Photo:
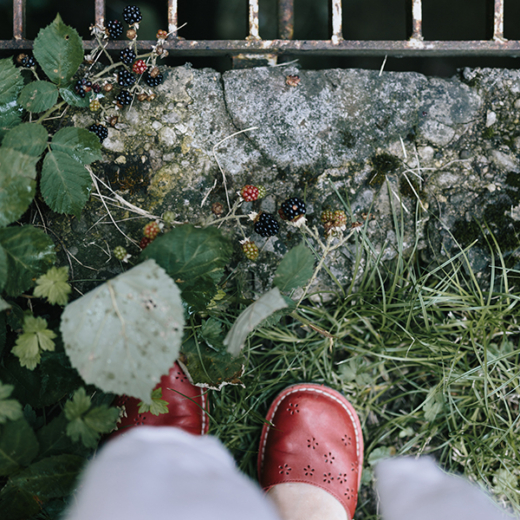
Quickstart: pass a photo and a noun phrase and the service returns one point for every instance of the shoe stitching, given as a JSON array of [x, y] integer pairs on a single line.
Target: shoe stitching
[[319, 392], [203, 398]]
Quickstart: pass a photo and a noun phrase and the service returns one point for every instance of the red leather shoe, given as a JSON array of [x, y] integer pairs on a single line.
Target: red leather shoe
[[313, 435], [187, 406]]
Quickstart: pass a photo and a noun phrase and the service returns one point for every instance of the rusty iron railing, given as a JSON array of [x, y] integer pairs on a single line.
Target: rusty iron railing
[[338, 45]]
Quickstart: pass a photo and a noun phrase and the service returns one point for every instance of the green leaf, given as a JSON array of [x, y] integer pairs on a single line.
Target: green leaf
[[10, 116], [140, 315], [210, 368], [17, 184], [10, 409], [28, 138], [3, 276], [194, 258], [79, 143], [88, 425], [59, 51], [211, 332], [11, 81], [69, 96], [249, 319], [18, 446], [158, 405], [295, 269], [17, 504], [65, 184], [4, 305], [54, 440], [35, 338], [30, 252], [38, 96], [53, 285], [380, 454], [51, 477]]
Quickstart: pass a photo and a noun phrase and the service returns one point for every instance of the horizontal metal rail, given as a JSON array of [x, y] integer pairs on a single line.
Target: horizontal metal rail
[[415, 46]]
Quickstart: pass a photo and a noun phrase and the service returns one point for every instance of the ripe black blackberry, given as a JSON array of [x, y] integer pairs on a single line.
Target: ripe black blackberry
[[125, 78], [151, 81], [292, 208], [132, 14], [266, 225], [100, 130], [127, 56], [115, 29], [28, 62], [82, 86], [124, 97]]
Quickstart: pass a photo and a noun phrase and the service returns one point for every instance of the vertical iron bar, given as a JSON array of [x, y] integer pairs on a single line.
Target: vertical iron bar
[[254, 32], [285, 19], [100, 13], [416, 20], [172, 18], [498, 26], [19, 19], [337, 22]]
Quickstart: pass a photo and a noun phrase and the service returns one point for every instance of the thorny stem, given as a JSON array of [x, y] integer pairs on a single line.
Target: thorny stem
[[50, 111]]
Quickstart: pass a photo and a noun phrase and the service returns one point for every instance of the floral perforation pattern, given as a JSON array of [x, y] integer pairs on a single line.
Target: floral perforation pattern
[[347, 491], [293, 408], [347, 440], [284, 469], [329, 458], [181, 376], [311, 443], [308, 471], [328, 478], [140, 419]]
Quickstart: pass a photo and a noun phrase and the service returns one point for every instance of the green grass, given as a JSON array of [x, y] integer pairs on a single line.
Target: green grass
[[427, 355]]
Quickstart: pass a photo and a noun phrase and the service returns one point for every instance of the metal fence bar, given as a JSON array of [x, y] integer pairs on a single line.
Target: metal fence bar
[[19, 19], [172, 18], [286, 19], [417, 20], [100, 13], [337, 22], [254, 32], [498, 26]]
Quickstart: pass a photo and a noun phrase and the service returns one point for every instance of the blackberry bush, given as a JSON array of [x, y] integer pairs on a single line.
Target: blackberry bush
[[125, 78], [292, 208], [115, 29], [266, 225]]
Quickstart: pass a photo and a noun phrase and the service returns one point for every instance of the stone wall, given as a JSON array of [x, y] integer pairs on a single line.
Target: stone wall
[[438, 155]]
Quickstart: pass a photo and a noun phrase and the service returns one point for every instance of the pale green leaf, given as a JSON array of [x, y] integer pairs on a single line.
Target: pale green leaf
[[53, 285], [158, 405], [65, 183], [78, 430], [4, 305], [38, 96], [249, 319], [79, 405], [35, 337], [11, 81], [139, 314], [59, 51], [69, 96], [10, 409], [28, 138], [79, 143], [295, 269], [10, 116], [30, 252], [102, 419]]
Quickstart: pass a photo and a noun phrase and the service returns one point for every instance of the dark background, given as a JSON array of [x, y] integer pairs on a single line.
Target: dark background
[[362, 20]]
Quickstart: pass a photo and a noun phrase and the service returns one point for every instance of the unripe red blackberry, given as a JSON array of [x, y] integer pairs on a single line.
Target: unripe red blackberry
[[249, 193], [139, 67], [151, 230], [340, 218], [145, 241], [250, 249], [327, 216]]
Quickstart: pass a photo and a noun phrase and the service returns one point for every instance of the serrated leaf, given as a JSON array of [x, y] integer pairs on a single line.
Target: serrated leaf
[[380, 454], [11, 81], [102, 419], [79, 143], [10, 409], [211, 332], [295, 269], [210, 368], [158, 405], [28, 138], [38, 96], [140, 315], [59, 51], [65, 184], [249, 319], [53, 285], [54, 440], [17, 184], [77, 430], [10, 116], [79, 405], [194, 258], [70, 97], [35, 338], [17, 504], [18, 446], [51, 477], [30, 253]]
